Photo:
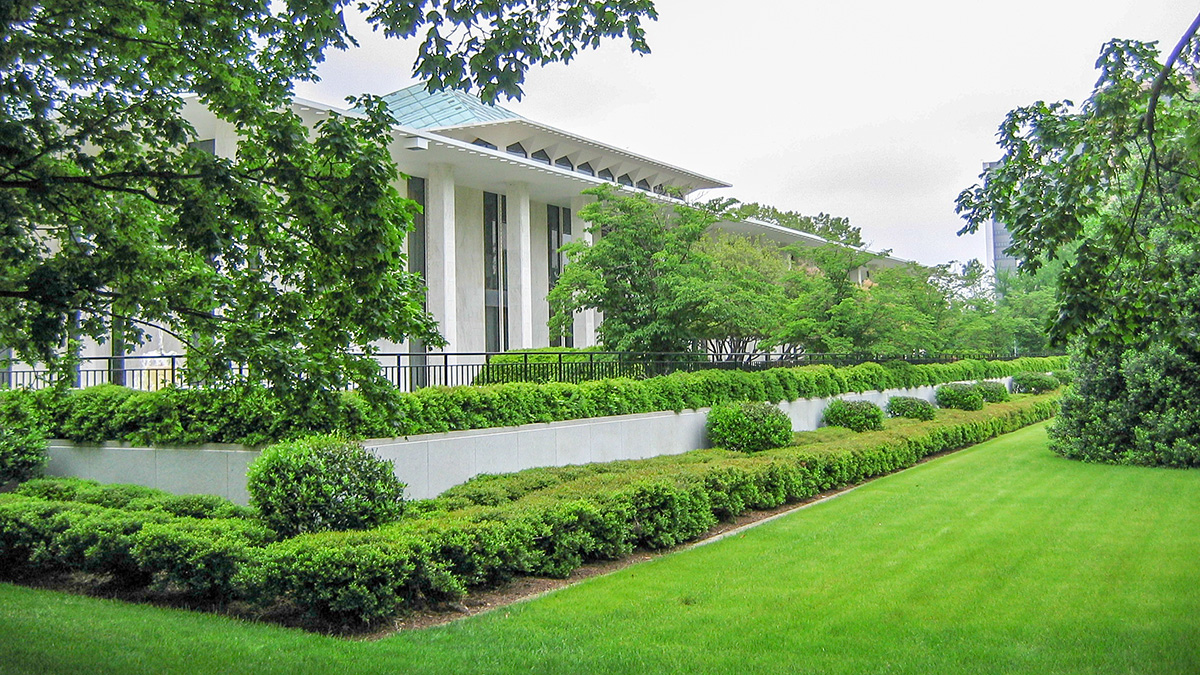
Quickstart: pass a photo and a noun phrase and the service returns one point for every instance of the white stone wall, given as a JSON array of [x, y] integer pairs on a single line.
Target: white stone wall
[[431, 463]]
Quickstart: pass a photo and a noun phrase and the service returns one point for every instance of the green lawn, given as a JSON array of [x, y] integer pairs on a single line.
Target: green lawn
[[998, 559]]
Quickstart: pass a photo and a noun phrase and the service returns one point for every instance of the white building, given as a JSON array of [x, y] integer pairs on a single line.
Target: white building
[[500, 194]]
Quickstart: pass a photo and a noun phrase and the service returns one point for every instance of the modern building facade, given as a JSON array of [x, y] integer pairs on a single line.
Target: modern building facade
[[500, 195]]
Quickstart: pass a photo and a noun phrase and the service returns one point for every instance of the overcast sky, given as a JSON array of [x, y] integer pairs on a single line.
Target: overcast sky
[[878, 111]]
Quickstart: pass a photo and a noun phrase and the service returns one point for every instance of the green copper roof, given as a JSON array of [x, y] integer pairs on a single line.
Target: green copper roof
[[417, 108]]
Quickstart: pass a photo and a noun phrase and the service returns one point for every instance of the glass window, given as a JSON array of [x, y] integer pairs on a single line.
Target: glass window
[[564, 163], [495, 285], [643, 184], [517, 149], [208, 145], [625, 180], [606, 174], [558, 226], [541, 156], [586, 167], [483, 143]]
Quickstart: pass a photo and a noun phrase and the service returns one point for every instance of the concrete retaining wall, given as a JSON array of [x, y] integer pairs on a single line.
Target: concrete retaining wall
[[431, 463]]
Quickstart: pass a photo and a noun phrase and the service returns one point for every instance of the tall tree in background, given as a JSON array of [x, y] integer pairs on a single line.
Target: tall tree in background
[[285, 258], [1114, 184], [635, 272]]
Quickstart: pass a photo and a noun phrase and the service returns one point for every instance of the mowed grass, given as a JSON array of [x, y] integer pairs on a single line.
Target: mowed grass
[[998, 559]]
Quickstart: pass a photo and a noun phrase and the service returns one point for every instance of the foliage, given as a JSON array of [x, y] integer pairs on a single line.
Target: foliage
[[642, 251], [960, 396], [857, 416], [323, 483], [736, 292], [1034, 383], [282, 254], [131, 498], [544, 522], [1132, 407], [557, 364], [911, 408], [994, 392], [748, 426], [1110, 186], [174, 416], [23, 432]]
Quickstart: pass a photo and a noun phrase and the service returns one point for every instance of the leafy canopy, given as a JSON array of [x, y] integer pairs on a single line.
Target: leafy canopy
[[282, 254], [1111, 186]]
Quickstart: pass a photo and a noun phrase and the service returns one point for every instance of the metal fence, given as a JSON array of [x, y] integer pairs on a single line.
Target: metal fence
[[414, 371]]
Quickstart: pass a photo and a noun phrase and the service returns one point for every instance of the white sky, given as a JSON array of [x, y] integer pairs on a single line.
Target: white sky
[[879, 111]]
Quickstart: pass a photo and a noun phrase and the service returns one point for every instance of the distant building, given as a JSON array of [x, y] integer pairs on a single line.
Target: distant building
[[998, 240]]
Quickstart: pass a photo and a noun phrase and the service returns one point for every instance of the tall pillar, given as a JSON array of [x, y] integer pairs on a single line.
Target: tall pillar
[[520, 268], [441, 262]]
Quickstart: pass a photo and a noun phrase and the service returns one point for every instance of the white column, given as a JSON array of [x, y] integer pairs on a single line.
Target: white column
[[587, 320], [441, 262], [520, 268]]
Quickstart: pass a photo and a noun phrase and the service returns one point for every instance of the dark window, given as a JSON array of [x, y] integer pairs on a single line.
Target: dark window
[[481, 142], [417, 264], [558, 225], [643, 184], [495, 301], [540, 156], [625, 180], [606, 174], [208, 145], [659, 189], [586, 168], [517, 149], [564, 163]]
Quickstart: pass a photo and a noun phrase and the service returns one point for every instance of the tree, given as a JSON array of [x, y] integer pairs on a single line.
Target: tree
[[1109, 183], [737, 295], [285, 258], [634, 272], [1112, 188]]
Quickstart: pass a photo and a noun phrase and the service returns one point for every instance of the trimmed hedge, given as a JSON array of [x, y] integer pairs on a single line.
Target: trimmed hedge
[[992, 392], [557, 364], [542, 521], [132, 498], [250, 414], [911, 408], [1034, 383], [748, 426], [854, 415], [960, 396]]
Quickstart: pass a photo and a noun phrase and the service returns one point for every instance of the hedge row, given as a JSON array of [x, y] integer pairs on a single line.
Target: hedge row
[[542, 521], [550, 521], [250, 415], [557, 364]]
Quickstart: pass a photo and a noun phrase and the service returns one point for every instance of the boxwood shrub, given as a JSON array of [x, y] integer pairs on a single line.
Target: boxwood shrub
[[959, 396], [856, 415], [323, 483], [1034, 383], [910, 407], [992, 392], [748, 426]]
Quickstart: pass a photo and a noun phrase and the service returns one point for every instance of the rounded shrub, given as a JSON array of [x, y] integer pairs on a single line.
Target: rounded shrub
[[992, 392], [857, 415], [910, 407], [320, 483], [960, 396], [22, 453], [1034, 383], [747, 426]]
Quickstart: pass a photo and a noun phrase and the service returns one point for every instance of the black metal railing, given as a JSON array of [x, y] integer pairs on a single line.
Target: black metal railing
[[413, 371]]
